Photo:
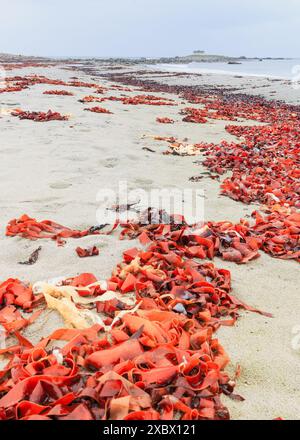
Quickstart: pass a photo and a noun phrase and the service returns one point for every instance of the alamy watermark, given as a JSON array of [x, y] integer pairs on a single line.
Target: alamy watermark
[[3, 84], [3, 79], [296, 77], [295, 342], [2, 338], [125, 205]]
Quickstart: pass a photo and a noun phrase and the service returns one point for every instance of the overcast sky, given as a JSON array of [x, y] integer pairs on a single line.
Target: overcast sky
[[150, 27]]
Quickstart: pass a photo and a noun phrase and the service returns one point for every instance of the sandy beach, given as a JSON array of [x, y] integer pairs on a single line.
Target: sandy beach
[[54, 171]]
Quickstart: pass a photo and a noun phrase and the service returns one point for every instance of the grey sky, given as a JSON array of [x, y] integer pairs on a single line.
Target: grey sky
[[150, 27]]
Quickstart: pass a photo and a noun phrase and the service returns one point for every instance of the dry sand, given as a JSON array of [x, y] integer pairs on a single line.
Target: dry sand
[[54, 170]]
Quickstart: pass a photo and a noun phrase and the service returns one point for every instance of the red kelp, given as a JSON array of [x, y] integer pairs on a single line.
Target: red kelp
[[238, 106], [279, 233], [98, 110], [39, 116], [91, 98], [162, 361], [147, 100], [76, 83], [10, 89], [265, 163], [31, 80], [26, 65], [220, 102], [17, 293], [165, 120], [121, 88], [264, 169], [134, 100], [113, 98], [100, 90], [268, 169], [32, 229], [195, 115], [16, 296], [58, 92], [232, 242], [87, 252]]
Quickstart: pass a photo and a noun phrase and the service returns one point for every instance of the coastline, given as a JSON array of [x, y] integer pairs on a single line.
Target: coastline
[[49, 173], [187, 68], [274, 88]]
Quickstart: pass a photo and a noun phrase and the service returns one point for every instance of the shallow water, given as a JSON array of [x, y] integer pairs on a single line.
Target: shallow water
[[284, 69]]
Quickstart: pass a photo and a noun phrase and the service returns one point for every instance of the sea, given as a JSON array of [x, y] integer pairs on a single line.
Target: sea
[[282, 69]]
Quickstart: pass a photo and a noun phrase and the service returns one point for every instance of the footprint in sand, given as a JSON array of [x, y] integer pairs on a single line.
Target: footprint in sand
[[60, 185], [84, 130], [143, 182], [110, 162], [75, 158], [9, 150], [131, 156], [41, 200]]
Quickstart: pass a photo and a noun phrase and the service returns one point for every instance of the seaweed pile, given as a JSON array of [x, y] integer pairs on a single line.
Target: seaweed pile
[[18, 83], [98, 110], [165, 120], [58, 93], [32, 229], [142, 344], [39, 116], [147, 100], [158, 360]]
